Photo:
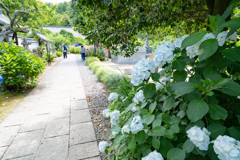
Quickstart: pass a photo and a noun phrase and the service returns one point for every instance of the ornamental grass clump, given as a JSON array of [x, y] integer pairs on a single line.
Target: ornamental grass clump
[[190, 109]]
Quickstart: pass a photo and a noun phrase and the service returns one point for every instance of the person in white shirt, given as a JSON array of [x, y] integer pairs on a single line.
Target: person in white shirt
[[83, 52]]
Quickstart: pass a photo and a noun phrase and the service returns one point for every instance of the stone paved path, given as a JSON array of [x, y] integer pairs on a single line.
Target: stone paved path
[[53, 122]]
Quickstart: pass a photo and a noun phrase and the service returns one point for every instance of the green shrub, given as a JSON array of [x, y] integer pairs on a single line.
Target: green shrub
[[59, 53], [99, 53], [72, 49], [89, 60], [20, 67], [45, 56]]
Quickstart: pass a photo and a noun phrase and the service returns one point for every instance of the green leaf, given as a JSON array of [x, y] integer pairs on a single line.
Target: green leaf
[[141, 137], [234, 132], [155, 77], [221, 81], [113, 157], [129, 107], [195, 79], [117, 140], [233, 23], [156, 122], [156, 143], [132, 144], [211, 153], [231, 88], [169, 103], [176, 154], [216, 130], [211, 73], [166, 145], [209, 46], [232, 54], [149, 90], [179, 76], [175, 128], [123, 149], [152, 106], [165, 118], [197, 109], [169, 134], [217, 112], [148, 119], [179, 65], [182, 88], [188, 146], [116, 129], [159, 131], [193, 39]]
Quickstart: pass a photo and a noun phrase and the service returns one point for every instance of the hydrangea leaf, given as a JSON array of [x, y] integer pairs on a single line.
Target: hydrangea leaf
[[156, 122], [116, 129], [156, 76], [149, 90], [211, 153], [188, 146], [141, 137], [217, 112], [203, 153], [209, 46], [123, 149], [152, 106], [132, 144], [156, 143], [117, 140], [232, 54], [216, 130], [179, 76], [234, 132], [169, 134], [175, 128], [129, 107], [221, 81], [193, 39], [234, 23], [179, 65], [165, 146], [176, 154], [197, 109], [211, 73], [169, 103], [159, 131], [148, 119], [182, 88], [231, 88], [113, 157]]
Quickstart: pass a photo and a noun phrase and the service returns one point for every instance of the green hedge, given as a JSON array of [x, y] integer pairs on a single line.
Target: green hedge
[[107, 75]]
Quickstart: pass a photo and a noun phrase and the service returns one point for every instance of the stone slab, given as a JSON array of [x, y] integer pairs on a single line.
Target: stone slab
[[29, 157], [60, 112], [78, 104], [82, 133], [79, 116], [24, 144], [15, 119], [7, 134], [2, 150], [24, 106], [83, 151], [35, 123], [95, 158], [57, 127], [53, 148]]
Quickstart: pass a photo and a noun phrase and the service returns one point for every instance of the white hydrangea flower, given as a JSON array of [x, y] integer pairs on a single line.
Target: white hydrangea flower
[[114, 133], [139, 97], [105, 112], [134, 109], [221, 37], [112, 97], [102, 146], [141, 71], [153, 156], [136, 124], [233, 37], [159, 86], [178, 41], [194, 50], [125, 129], [227, 148], [199, 137], [114, 117], [238, 97], [163, 54]]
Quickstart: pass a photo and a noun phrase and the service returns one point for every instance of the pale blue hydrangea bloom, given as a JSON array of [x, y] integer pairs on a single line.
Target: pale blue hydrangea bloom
[[233, 37], [136, 124], [106, 113], [221, 38], [112, 97], [102, 146], [238, 97], [227, 148], [125, 129], [139, 97], [114, 133], [114, 117], [199, 137], [159, 86], [178, 41], [141, 71], [163, 54], [153, 156], [194, 50], [134, 109]]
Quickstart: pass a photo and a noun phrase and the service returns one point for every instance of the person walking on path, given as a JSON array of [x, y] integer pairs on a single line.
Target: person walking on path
[[83, 52], [64, 51]]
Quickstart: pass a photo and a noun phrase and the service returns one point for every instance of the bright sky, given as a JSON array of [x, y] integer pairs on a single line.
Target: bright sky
[[55, 1]]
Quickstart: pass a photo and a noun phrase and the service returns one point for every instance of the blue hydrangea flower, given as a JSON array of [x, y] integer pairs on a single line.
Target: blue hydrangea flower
[[21, 76], [1, 79]]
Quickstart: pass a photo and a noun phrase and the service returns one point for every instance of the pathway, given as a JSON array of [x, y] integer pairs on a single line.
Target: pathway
[[53, 122]]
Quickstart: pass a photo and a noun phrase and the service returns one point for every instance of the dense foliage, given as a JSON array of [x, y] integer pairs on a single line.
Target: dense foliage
[[59, 53], [99, 53], [19, 67], [188, 110]]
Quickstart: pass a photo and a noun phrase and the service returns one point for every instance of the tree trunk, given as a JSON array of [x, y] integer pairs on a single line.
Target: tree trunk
[[216, 7]]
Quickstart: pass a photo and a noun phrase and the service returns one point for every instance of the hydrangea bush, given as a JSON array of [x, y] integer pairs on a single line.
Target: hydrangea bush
[[188, 110]]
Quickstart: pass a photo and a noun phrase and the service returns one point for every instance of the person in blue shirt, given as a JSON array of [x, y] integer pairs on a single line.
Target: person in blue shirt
[[83, 52], [64, 51]]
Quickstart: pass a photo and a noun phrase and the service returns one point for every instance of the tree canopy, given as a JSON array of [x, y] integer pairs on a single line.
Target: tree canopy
[[117, 22]]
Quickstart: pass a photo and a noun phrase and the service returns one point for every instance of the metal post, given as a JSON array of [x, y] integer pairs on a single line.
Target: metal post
[[147, 47]]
